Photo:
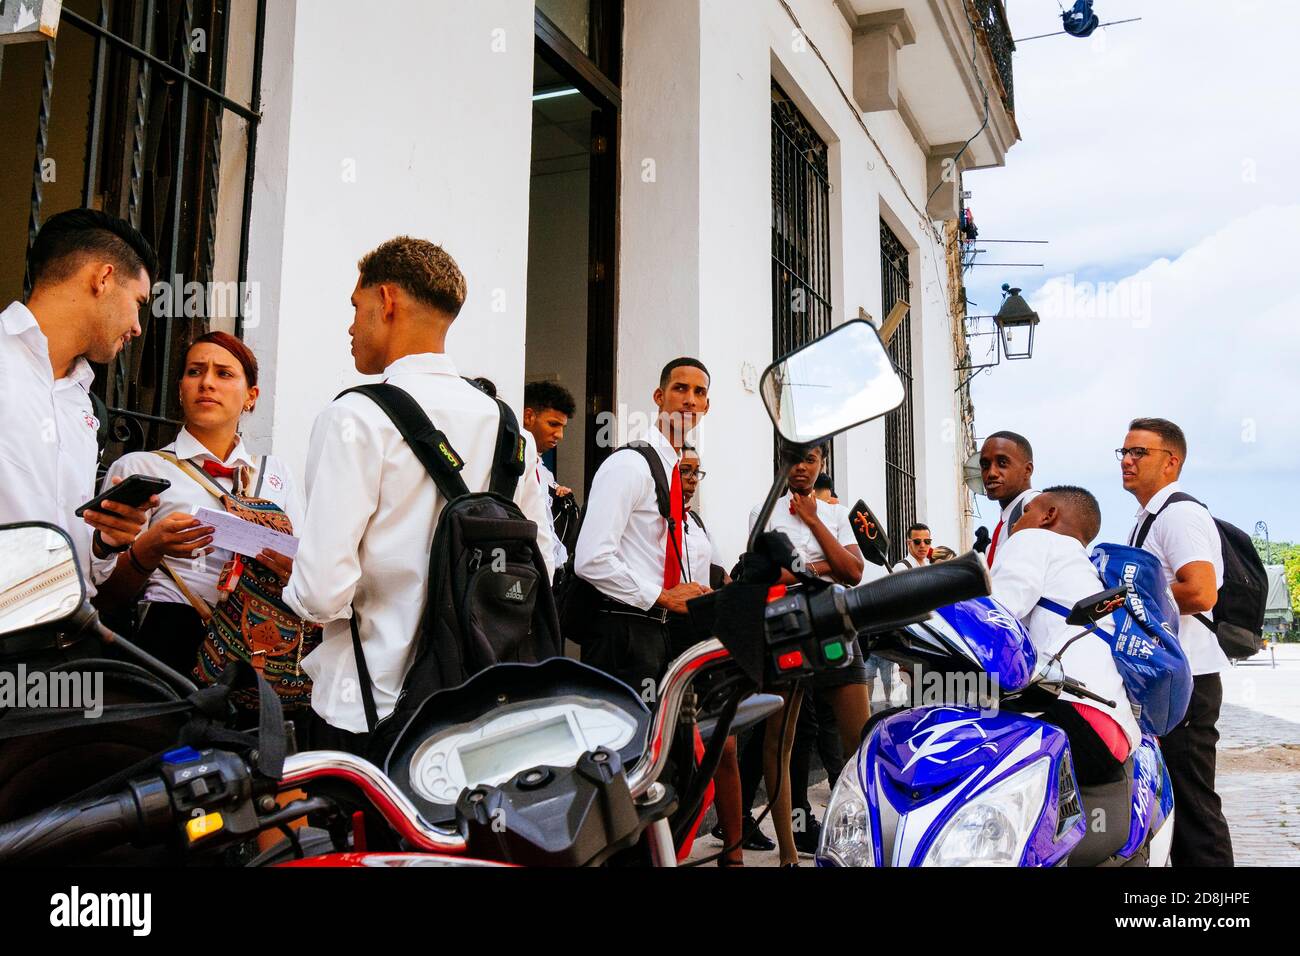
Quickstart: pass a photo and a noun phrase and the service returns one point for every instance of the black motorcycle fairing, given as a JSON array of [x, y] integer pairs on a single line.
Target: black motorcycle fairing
[[498, 686]]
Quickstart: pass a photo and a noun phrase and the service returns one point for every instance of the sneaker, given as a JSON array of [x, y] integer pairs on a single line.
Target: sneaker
[[756, 840], [806, 840]]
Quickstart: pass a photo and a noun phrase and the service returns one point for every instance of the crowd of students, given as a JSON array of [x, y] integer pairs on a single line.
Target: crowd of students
[[366, 512]]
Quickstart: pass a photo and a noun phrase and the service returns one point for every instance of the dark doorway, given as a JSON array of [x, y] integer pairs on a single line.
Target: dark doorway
[[572, 224]]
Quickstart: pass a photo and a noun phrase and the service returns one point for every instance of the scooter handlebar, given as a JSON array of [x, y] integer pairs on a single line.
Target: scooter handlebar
[[80, 828], [910, 594]]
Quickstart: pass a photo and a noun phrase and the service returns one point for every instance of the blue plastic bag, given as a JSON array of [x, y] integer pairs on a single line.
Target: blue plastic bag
[[1145, 643]]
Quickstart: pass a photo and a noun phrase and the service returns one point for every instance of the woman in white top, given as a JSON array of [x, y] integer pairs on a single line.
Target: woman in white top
[[174, 554]]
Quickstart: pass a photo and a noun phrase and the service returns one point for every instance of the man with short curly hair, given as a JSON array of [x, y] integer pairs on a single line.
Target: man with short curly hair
[[548, 406], [372, 508]]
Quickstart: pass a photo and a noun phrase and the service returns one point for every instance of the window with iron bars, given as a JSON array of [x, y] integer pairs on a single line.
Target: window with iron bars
[[900, 446], [801, 239], [128, 112]]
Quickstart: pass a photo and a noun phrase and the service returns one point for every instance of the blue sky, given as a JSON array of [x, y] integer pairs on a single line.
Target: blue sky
[[1164, 157]]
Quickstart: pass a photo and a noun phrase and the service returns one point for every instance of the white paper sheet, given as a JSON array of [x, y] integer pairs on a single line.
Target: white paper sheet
[[245, 537]]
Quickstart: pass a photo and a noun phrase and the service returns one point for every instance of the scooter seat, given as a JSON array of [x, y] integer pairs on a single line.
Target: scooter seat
[[1106, 815]]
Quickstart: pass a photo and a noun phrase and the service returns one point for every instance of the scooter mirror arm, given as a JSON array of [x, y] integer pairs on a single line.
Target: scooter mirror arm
[[87, 621]]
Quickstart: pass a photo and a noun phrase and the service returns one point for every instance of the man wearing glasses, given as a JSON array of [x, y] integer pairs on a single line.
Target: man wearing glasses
[[1183, 536], [919, 542]]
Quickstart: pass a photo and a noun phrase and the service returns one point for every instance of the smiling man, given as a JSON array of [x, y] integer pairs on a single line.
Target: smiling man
[[625, 550], [1007, 467], [90, 277]]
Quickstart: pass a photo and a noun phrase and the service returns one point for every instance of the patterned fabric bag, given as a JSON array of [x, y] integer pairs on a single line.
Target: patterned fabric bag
[[250, 623]]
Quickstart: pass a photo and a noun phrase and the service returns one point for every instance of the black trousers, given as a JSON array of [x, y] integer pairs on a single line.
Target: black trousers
[[172, 633], [1201, 836], [1094, 764], [816, 729], [320, 735], [635, 649]]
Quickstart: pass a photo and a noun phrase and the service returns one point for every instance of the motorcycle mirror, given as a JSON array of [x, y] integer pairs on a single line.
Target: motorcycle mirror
[[842, 379], [1093, 608], [870, 534], [40, 582]]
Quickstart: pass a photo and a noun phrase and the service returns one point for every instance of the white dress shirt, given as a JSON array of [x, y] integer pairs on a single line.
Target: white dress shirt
[[623, 541], [697, 550], [1038, 563], [547, 481], [1002, 530], [185, 496], [907, 563], [1185, 533], [47, 445], [371, 513], [834, 517]]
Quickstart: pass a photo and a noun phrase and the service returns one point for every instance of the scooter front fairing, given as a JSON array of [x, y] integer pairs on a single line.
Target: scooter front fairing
[[956, 786]]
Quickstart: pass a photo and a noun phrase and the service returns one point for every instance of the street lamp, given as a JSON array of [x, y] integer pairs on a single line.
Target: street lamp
[[1261, 531], [1016, 321]]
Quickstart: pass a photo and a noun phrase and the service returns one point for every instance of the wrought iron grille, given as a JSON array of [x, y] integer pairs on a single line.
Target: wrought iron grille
[[801, 238], [153, 144], [900, 446], [991, 16]]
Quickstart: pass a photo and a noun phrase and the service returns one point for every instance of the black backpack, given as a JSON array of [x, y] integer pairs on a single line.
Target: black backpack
[[1239, 612], [578, 600], [489, 597]]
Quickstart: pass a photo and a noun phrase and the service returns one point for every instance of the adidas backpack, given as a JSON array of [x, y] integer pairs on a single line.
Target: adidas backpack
[[1239, 612], [489, 596]]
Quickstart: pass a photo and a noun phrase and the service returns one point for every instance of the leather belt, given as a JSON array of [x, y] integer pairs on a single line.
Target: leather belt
[[609, 606]]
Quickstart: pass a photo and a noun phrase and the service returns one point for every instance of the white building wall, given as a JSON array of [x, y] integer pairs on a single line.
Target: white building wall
[[439, 132], [415, 122]]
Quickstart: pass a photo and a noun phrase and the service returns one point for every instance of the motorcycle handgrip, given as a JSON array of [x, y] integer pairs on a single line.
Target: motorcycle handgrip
[[82, 828], [913, 593]]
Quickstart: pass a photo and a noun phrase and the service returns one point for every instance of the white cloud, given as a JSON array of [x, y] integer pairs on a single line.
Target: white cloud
[[1219, 353], [1160, 157]]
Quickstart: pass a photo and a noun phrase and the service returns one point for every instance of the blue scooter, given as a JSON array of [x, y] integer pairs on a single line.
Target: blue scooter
[[979, 780]]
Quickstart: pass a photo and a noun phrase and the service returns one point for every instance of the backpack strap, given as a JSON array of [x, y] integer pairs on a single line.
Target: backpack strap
[[656, 465], [363, 676], [698, 520], [1173, 499], [1058, 609], [508, 459], [427, 442]]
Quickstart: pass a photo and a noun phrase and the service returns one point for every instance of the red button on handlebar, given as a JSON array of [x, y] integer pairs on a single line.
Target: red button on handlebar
[[790, 661]]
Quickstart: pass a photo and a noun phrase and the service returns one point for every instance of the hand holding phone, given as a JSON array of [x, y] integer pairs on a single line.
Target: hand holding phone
[[119, 513]]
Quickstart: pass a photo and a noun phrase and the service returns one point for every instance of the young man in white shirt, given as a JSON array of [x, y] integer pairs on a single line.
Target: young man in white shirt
[[371, 506], [919, 545], [548, 406], [624, 550], [1007, 466], [1185, 539], [1048, 558], [91, 275], [823, 539]]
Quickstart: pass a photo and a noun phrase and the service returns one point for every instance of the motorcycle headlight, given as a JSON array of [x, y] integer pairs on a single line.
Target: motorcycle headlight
[[846, 830], [992, 829]]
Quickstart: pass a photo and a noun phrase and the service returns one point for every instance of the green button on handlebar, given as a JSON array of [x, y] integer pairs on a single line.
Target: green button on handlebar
[[833, 651]]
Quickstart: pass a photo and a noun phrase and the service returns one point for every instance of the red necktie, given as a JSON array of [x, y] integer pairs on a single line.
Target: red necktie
[[673, 545], [994, 545], [217, 470]]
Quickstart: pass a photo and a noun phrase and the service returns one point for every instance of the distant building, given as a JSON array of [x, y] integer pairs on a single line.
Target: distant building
[[1279, 620]]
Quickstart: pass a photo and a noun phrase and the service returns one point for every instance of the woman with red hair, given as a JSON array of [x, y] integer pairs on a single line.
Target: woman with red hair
[[172, 574]]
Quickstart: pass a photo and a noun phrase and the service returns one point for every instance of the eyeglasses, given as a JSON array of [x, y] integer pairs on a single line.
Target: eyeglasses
[[693, 473], [921, 540], [1137, 454]]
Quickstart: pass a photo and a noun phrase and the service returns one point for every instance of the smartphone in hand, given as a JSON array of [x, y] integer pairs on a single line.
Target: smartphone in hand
[[132, 491]]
